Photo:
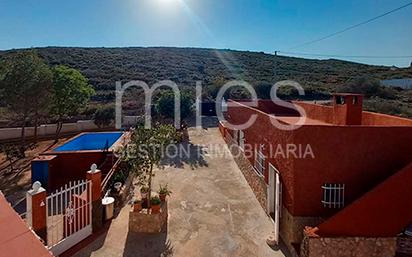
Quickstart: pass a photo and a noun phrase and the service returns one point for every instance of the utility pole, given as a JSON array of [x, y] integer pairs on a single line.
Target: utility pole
[[275, 68]]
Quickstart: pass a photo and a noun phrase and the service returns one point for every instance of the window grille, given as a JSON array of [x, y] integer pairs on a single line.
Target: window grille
[[260, 162], [333, 195]]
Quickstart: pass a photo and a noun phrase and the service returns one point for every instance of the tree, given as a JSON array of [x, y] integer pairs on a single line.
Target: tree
[[146, 149], [263, 90], [165, 104], [71, 92], [104, 116], [25, 85], [369, 87], [12, 153]]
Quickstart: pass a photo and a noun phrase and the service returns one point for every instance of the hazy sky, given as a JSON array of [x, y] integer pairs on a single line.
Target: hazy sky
[[256, 25]]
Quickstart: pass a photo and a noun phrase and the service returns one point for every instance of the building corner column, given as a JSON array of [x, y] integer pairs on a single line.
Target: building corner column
[[36, 210], [95, 176]]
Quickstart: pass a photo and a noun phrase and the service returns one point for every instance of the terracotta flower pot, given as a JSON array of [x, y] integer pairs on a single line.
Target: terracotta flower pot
[[137, 207], [155, 208], [162, 197]]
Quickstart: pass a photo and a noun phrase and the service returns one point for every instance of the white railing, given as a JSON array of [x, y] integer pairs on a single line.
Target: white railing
[[68, 215]]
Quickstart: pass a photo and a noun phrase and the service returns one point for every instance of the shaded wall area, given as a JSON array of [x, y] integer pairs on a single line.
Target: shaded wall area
[[359, 157], [70, 166], [384, 211], [379, 119]]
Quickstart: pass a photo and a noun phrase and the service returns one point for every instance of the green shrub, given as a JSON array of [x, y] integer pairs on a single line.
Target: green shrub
[[104, 116], [165, 104]]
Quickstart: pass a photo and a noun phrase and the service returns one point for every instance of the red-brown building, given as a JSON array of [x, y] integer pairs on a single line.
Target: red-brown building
[[16, 239], [345, 171]]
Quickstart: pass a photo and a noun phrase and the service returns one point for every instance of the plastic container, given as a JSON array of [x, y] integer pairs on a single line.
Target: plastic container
[[108, 205]]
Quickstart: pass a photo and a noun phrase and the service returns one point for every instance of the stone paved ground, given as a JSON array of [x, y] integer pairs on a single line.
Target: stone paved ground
[[212, 211]]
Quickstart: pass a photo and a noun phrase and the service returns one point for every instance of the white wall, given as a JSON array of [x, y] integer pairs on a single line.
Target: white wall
[[48, 129]]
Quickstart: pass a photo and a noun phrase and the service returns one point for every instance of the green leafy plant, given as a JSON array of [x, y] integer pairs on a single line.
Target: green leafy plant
[[71, 93], [25, 87], [146, 149], [104, 116], [155, 200], [144, 189], [164, 190], [119, 177], [165, 104]]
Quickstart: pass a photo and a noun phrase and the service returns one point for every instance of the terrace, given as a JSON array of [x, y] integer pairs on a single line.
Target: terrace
[[341, 108], [212, 210]]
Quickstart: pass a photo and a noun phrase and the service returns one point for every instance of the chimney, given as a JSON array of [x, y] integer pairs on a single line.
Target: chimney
[[347, 109]]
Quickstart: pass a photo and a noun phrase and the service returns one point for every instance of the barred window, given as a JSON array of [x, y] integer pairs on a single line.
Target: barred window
[[333, 195], [260, 162]]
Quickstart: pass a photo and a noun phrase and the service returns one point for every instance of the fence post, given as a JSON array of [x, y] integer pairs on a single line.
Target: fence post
[[36, 210], [95, 176]]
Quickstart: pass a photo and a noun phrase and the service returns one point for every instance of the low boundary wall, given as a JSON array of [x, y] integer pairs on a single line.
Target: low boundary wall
[[348, 247], [47, 130]]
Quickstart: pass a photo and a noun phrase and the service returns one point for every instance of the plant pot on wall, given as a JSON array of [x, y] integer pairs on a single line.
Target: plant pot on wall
[[144, 192], [163, 192], [162, 197], [137, 206], [155, 204], [117, 186]]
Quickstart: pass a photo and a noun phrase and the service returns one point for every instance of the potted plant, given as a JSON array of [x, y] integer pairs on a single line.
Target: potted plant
[[144, 191], [117, 186], [155, 204], [163, 192], [145, 151], [137, 205]]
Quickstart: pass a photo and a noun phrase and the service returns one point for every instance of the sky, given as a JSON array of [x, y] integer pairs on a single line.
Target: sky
[[254, 25]]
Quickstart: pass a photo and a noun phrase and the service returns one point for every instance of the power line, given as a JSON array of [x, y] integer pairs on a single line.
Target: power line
[[348, 56], [351, 27]]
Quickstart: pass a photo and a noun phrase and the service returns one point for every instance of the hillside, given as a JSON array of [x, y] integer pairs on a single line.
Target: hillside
[[104, 66]]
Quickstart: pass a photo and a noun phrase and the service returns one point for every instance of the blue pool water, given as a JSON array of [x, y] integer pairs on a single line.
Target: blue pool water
[[90, 141]]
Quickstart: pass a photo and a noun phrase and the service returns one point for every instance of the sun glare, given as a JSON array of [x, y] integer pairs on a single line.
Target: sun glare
[[167, 1]]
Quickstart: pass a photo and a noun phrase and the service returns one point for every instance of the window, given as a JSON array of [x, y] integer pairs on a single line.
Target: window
[[355, 100], [340, 99], [260, 162], [333, 195], [241, 139]]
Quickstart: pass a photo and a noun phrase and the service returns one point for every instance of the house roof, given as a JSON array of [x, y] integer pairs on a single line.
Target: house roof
[[16, 239]]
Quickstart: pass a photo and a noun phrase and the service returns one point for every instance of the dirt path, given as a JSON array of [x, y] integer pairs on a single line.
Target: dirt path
[[14, 184]]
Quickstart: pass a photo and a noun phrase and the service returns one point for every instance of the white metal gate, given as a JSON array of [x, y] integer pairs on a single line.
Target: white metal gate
[[69, 216]]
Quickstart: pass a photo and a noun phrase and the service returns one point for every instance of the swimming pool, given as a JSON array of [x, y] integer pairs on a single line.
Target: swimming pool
[[90, 142]]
